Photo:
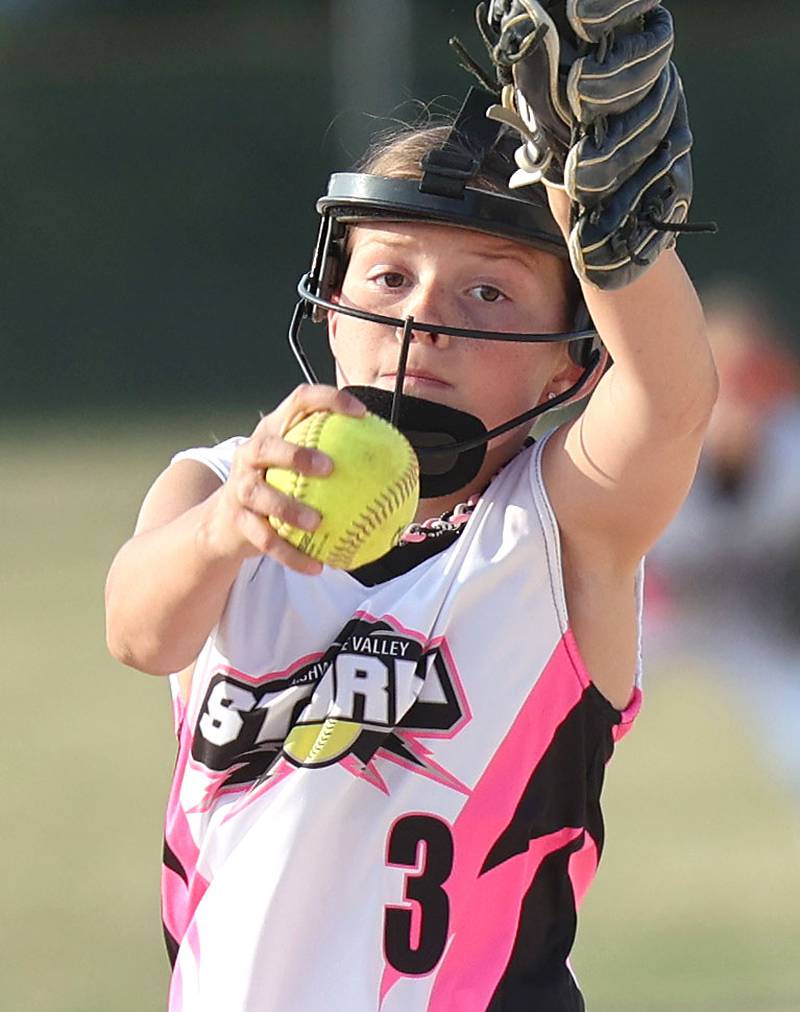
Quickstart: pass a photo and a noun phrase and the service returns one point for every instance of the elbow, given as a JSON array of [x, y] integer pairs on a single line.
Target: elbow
[[133, 653], [118, 647], [118, 640], [134, 647], [149, 662], [707, 377], [144, 649], [706, 398], [690, 406], [123, 641]]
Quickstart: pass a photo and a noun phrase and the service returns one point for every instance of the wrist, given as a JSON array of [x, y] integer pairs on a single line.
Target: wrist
[[217, 538], [560, 208]]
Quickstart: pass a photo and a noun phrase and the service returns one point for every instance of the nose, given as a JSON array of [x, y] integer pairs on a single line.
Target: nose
[[425, 305]]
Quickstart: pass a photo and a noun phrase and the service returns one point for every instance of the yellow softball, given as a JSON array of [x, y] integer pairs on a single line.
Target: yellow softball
[[368, 499]]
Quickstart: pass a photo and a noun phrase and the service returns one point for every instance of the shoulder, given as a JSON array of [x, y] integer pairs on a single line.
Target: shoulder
[[191, 477], [218, 458]]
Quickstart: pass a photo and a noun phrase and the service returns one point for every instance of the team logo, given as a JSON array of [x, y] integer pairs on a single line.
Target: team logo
[[377, 691]]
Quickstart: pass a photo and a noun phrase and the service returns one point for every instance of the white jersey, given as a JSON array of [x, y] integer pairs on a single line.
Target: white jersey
[[387, 796]]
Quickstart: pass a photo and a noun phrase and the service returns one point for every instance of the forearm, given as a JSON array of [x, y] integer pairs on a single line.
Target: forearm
[[633, 451], [165, 592], [654, 329]]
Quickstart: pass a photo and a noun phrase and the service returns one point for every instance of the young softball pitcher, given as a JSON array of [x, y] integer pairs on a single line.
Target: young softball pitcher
[[426, 840]]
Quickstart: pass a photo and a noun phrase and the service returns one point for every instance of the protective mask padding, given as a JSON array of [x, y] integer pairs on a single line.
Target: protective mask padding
[[580, 351], [426, 424], [330, 261]]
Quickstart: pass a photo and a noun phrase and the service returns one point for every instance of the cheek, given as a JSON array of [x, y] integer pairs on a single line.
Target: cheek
[[515, 373], [340, 345], [507, 381], [344, 353], [354, 347]]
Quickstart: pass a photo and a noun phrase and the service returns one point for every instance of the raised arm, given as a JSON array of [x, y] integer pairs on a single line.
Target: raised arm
[[600, 110], [630, 458]]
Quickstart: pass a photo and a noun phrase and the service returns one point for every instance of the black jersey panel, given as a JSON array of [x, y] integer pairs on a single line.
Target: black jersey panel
[[563, 792], [564, 789]]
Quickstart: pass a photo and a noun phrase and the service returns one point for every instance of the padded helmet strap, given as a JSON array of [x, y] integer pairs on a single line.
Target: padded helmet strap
[[435, 431], [446, 170]]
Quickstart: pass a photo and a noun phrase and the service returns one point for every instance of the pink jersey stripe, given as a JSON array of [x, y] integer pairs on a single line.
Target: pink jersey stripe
[[482, 929], [179, 898], [628, 715], [484, 938], [582, 868]]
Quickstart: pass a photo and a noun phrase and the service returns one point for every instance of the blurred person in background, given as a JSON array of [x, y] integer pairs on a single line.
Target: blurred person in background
[[724, 581]]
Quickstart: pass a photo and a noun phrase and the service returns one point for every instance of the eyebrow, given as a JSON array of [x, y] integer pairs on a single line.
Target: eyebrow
[[389, 239], [510, 254]]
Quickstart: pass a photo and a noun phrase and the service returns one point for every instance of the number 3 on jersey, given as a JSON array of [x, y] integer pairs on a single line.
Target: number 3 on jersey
[[415, 933]]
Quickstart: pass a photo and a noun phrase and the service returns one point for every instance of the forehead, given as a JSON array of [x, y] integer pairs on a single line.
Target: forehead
[[450, 240]]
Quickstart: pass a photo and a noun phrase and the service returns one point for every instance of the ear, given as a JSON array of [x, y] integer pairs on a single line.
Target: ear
[[332, 321], [567, 372]]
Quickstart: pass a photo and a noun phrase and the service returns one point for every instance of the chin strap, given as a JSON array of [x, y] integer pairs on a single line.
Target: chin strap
[[450, 444]]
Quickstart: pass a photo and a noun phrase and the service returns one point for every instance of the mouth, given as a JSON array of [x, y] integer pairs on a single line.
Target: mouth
[[414, 378]]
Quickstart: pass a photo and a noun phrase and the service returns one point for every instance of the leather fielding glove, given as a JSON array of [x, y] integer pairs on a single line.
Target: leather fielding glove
[[532, 49], [590, 88]]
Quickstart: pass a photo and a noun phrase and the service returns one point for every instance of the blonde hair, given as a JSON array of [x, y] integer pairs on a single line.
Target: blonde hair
[[398, 154]]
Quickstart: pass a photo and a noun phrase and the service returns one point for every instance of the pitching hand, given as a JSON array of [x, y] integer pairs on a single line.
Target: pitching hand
[[240, 525]]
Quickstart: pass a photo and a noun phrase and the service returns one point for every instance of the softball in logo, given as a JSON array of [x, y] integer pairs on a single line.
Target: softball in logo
[[321, 744]]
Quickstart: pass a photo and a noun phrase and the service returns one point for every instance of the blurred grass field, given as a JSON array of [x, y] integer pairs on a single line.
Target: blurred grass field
[[697, 904]]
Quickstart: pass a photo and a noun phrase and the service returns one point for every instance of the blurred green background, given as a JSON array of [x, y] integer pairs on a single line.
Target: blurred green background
[[160, 162]]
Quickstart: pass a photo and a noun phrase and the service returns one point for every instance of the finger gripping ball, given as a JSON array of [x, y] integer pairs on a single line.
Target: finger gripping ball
[[365, 502]]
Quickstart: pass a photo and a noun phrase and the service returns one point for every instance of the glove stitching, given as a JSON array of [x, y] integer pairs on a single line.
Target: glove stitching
[[627, 66]]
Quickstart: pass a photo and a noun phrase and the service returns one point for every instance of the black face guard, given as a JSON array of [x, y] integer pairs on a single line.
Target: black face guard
[[450, 444]]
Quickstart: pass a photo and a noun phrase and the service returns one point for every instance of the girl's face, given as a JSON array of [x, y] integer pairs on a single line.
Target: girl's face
[[458, 278]]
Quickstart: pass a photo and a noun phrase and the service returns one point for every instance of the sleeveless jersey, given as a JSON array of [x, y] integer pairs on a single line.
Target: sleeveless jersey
[[387, 797]]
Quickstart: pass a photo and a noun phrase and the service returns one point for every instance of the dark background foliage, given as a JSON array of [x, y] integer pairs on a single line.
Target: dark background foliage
[[161, 159]]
